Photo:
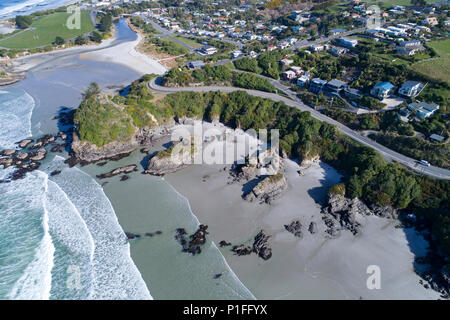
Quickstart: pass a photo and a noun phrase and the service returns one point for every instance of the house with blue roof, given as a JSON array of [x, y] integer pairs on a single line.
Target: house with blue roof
[[382, 90]]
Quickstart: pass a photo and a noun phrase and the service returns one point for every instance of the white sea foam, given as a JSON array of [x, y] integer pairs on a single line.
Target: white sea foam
[[114, 274], [13, 8], [35, 282], [15, 117]]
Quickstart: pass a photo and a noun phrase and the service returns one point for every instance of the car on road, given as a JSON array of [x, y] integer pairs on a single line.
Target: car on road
[[424, 163]]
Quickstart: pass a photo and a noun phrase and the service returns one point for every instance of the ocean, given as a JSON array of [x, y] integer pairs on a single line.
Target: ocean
[[11, 8], [60, 236], [63, 236]]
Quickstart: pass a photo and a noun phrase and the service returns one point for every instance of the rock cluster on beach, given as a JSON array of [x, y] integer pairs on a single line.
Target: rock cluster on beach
[[117, 171], [29, 155], [196, 240], [132, 236], [260, 246], [343, 213], [268, 178], [295, 227], [178, 156], [268, 189]]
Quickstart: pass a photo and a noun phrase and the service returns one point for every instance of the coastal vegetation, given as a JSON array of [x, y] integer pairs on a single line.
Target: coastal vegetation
[[217, 75]]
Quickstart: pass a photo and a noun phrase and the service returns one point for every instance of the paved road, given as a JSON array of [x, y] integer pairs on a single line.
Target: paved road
[[164, 33], [294, 101], [307, 43]]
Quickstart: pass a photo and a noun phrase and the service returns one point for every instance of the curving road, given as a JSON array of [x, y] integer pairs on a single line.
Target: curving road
[[294, 101]]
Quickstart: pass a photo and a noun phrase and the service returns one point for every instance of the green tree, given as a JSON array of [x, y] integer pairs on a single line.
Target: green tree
[[105, 23], [91, 91], [59, 41], [80, 41], [23, 22], [96, 37]]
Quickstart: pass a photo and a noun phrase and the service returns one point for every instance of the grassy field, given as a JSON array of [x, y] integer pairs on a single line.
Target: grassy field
[[440, 67], [391, 3], [194, 44], [46, 29]]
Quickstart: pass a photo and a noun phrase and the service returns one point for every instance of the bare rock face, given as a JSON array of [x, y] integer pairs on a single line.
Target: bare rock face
[[261, 245], [21, 156], [6, 162], [7, 152], [384, 212], [39, 155], [341, 213], [86, 153], [295, 227], [175, 158], [24, 143], [268, 189]]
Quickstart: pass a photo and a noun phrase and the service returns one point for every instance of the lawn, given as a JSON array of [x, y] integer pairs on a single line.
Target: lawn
[[440, 67], [391, 3], [46, 29], [194, 44]]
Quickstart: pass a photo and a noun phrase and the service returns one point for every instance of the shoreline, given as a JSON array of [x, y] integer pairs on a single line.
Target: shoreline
[[127, 55]]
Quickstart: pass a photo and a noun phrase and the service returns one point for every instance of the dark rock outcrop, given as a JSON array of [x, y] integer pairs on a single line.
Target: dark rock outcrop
[[295, 227], [24, 143], [196, 240], [242, 250], [223, 243], [117, 171], [268, 189], [312, 228], [261, 246]]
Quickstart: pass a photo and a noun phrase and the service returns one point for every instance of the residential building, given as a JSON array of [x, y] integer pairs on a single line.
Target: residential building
[[303, 80], [423, 109], [236, 53], [335, 86], [196, 64], [382, 90], [316, 85], [337, 51], [436, 138], [410, 88], [410, 47], [286, 62], [430, 21], [348, 42], [207, 50], [298, 70], [352, 93], [288, 75]]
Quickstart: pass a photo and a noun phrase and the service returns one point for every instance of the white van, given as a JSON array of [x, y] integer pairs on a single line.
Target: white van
[[425, 163]]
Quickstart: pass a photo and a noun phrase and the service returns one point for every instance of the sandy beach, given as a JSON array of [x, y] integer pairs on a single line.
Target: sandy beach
[[127, 55], [314, 266]]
